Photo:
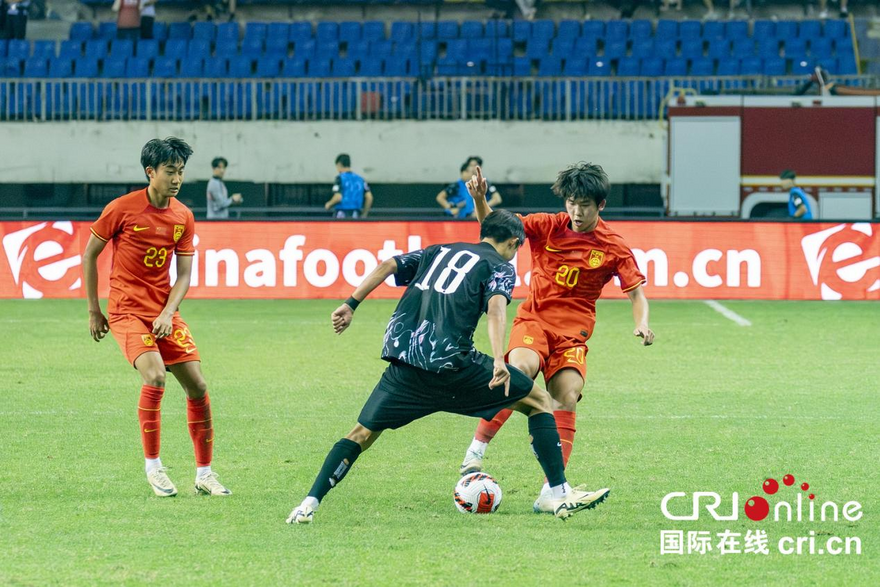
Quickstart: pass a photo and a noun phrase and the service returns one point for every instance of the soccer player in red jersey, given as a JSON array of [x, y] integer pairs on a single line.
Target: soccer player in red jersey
[[149, 228], [574, 254]]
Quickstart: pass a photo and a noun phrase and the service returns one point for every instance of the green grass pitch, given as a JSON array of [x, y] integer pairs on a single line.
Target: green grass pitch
[[712, 406]]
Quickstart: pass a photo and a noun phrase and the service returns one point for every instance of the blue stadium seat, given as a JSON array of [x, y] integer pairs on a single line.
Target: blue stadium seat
[[522, 30], [728, 67], [428, 30], [593, 28], [829, 65], [562, 48], [786, 29], [764, 29], [719, 49], [277, 46], [371, 68], [216, 67], [497, 29], [252, 48], [751, 66], [165, 67], [616, 30], [676, 67], [847, 67], [268, 67], [357, 49], [137, 67], [300, 31], [522, 66], [543, 29], [397, 66], [228, 32], [472, 29], [121, 49], [692, 48], [198, 49], [10, 67], [305, 49], [568, 29], [259, 30], [774, 66], [586, 47], [841, 45], [801, 66], [652, 67], [665, 48], [736, 29], [228, 49], [703, 66], [60, 68], [428, 51], [667, 29], [70, 49], [628, 67], [713, 29], [160, 31], [795, 48], [743, 48], [810, 29], [44, 49], [80, 31], [401, 31], [836, 29], [36, 67], [4, 45], [639, 29], [447, 29], [113, 68], [550, 66], [349, 32], [327, 49], [96, 49], [205, 31], [537, 48], [343, 67], [294, 67], [768, 48], [106, 30], [457, 49], [147, 49], [18, 49], [192, 68], [643, 47], [373, 30], [85, 67], [175, 48], [576, 67], [690, 29], [614, 50], [599, 68], [380, 49], [319, 67], [179, 30], [241, 67]]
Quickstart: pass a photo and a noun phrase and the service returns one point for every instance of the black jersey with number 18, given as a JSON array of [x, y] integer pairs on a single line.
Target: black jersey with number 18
[[448, 289]]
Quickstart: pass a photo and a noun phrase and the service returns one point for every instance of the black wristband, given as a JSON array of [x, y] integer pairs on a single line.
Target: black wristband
[[352, 303]]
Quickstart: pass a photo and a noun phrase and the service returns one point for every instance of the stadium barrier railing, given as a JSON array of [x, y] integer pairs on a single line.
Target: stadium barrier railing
[[311, 99]]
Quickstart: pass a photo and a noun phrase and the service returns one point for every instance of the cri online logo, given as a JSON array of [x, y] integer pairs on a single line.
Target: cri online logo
[[840, 261], [39, 259], [757, 507]]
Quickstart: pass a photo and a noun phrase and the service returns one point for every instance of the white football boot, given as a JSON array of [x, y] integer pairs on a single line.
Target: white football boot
[[578, 499], [302, 514], [210, 485], [161, 484]]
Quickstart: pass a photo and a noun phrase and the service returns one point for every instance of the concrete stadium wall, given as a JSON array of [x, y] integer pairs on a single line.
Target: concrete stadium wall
[[304, 152]]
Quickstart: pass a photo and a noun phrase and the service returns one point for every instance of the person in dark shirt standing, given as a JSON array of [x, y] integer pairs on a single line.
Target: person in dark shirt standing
[[434, 366], [352, 197]]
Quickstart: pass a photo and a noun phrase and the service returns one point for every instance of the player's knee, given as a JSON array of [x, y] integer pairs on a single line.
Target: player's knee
[[154, 378], [362, 435], [567, 399], [197, 389], [539, 400]]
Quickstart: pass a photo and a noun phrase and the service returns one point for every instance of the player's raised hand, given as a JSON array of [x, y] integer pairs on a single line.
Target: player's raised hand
[[341, 318], [477, 185], [162, 325], [646, 334], [98, 325], [500, 375]]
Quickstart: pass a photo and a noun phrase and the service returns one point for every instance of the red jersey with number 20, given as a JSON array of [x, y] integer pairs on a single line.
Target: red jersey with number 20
[[145, 239], [569, 270]]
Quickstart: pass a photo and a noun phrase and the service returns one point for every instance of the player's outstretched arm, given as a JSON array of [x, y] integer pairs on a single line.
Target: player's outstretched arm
[[477, 188], [98, 325], [497, 323], [162, 323], [640, 315], [342, 316]]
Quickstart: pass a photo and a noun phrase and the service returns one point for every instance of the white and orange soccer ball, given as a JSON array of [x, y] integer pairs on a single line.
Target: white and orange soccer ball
[[477, 493]]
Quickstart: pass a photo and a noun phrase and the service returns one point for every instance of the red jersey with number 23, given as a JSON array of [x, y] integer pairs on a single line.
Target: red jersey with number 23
[[145, 239], [569, 270]]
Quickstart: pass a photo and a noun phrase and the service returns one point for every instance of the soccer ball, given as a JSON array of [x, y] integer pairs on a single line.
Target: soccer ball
[[477, 493]]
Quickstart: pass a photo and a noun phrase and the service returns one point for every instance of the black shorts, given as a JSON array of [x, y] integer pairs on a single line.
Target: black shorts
[[406, 393]]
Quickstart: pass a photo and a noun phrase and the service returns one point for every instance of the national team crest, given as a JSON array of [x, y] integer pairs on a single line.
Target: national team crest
[[178, 232], [528, 339], [148, 339], [596, 259]]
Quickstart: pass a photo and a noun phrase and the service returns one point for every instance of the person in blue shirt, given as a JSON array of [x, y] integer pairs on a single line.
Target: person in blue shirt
[[352, 197], [798, 206], [455, 199]]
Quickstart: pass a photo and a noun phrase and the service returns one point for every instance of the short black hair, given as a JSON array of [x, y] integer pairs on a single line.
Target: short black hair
[[582, 181], [343, 159], [216, 161], [464, 166], [787, 174], [476, 158], [501, 225], [166, 151]]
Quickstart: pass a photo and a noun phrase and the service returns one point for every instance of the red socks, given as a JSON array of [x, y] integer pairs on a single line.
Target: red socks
[[486, 430], [198, 416], [565, 426], [149, 418]]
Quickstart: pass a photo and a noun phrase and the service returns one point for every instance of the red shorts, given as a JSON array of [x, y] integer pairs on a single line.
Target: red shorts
[[557, 351], [135, 337]]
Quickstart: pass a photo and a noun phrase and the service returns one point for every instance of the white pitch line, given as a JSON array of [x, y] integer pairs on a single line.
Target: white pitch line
[[727, 313]]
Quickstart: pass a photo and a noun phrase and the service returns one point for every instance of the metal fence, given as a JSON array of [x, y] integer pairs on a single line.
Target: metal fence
[[453, 98]]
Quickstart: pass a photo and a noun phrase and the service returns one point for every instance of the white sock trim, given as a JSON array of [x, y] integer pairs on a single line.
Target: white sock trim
[[311, 502], [478, 447], [202, 471], [151, 464]]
